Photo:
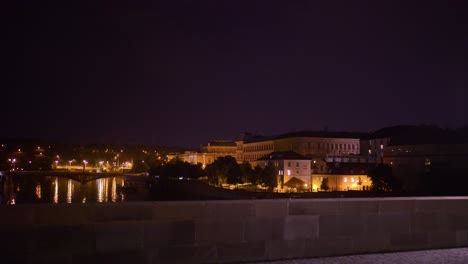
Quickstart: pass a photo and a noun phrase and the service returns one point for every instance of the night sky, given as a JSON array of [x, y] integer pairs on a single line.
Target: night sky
[[186, 72]]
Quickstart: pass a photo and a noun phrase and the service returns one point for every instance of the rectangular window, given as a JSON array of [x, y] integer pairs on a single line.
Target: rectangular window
[[289, 172]]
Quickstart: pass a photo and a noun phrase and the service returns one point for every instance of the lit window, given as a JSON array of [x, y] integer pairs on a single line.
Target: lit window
[[352, 179], [381, 146], [289, 172], [345, 179]]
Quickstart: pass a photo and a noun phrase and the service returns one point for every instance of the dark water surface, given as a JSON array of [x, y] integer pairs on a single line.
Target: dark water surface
[[27, 189]]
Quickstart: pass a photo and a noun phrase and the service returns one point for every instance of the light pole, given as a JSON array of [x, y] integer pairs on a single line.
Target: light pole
[[70, 163], [84, 166]]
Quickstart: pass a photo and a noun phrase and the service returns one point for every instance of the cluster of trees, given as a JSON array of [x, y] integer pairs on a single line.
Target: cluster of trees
[[224, 170], [175, 169]]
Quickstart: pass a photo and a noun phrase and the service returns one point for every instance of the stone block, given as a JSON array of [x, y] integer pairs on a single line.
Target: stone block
[[328, 246], [301, 227], [240, 252], [341, 225], [396, 206], [271, 208], [16, 216], [359, 207], [461, 237], [176, 232], [122, 212], [371, 223], [408, 241], [456, 221], [185, 254], [229, 209], [115, 257], [456, 205], [430, 206], [428, 221], [285, 249], [395, 223], [178, 210], [209, 232], [315, 207], [262, 229], [376, 242], [442, 239], [115, 236], [65, 239], [18, 239], [62, 214]]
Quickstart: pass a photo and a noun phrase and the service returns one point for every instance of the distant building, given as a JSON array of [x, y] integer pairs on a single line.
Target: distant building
[[423, 148], [209, 153], [321, 147], [293, 168]]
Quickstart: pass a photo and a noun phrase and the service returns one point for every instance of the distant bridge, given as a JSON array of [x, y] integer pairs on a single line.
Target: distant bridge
[[82, 177]]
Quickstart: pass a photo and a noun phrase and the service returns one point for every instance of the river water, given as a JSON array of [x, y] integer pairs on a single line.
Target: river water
[[52, 189]]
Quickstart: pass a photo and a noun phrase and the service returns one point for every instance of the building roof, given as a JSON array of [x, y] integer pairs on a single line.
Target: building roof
[[284, 155], [418, 135], [321, 134], [222, 143], [387, 132]]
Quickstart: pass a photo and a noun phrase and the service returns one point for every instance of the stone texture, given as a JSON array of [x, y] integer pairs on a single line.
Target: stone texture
[[284, 249], [301, 227], [63, 215], [442, 239], [409, 241], [338, 225], [328, 246], [208, 232], [262, 229], [122, 212], [16, 216], [317, 207], [271, 208], [229, 209], [178, 210], [116, 236], [395, 223], [359, 207], [167, 232], [462, 238], [240, 252], [399, 206], [376, 243], [65, 239]]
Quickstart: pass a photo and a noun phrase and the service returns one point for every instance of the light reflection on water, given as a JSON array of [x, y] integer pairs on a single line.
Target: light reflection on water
[[52, 189]]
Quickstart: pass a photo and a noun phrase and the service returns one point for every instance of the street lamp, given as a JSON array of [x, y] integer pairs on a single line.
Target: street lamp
[[84, 165], [70, 162]]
